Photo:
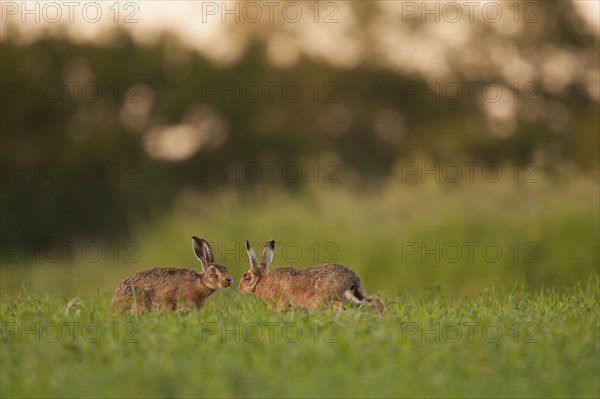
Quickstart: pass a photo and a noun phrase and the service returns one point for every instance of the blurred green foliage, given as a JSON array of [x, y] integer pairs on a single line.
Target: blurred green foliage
[[352, 133], [75, 129], [399, 237]]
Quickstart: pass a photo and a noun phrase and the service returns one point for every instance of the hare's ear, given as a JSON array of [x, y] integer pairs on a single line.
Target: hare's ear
[[203, 251], [251, 256], [210, 258], [267, 254]]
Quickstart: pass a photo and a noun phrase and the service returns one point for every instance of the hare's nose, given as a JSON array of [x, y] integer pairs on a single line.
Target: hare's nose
[[229, 279]]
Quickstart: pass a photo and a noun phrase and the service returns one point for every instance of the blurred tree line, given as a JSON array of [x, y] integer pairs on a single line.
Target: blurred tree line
[[95, 138]]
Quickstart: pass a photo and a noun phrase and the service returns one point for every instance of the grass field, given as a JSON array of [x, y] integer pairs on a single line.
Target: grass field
[[500, 343], [520, 323]]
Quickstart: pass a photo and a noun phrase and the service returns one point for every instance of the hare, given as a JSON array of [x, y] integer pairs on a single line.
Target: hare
[[172, 288], [329, 284]]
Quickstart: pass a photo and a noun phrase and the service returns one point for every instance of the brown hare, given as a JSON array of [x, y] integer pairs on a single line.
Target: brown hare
[[325, 285], [169, 288]]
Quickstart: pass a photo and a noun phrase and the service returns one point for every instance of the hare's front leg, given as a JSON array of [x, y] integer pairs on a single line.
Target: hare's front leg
[[199, 303], [280, 305], [140, 302], [139, 306], [334, 304]]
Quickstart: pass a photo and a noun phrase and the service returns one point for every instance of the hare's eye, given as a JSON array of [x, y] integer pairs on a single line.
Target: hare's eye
[[246, 275], [213, 270]]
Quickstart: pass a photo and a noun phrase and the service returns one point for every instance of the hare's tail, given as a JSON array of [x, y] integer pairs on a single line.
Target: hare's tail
[[355, 294]]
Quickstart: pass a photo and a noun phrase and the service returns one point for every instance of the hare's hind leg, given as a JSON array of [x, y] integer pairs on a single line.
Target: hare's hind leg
[[120, 304], [141, 300], [335, 305], [333, 301], [377, 304]]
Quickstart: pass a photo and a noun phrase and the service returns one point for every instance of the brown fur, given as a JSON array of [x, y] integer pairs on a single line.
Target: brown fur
[[169, 288], [326, 285]]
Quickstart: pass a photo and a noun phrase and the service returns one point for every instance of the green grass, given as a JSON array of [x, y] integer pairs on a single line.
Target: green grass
[[512, 344]]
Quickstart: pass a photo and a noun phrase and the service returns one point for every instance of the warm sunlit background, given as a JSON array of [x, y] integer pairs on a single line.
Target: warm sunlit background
[[420, 143]]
